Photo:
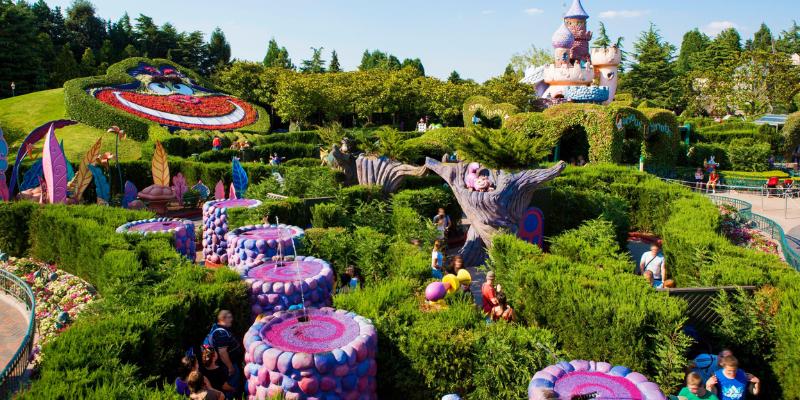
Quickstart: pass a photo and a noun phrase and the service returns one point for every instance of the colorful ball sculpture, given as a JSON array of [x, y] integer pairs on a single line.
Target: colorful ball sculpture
[[278, 285], [215, 226], [435, 291], [253, 244], [181, 229], [451, 284], [601, 380], [331, 355]]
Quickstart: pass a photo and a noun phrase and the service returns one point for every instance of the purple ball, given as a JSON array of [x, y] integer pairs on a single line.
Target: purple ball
[[435, 291]]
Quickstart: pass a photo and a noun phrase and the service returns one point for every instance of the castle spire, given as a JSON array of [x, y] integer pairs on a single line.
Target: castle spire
[[576, 11]]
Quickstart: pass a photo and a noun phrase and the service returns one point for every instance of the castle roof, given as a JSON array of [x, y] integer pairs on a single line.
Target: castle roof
[[576, 11], [563, 38]]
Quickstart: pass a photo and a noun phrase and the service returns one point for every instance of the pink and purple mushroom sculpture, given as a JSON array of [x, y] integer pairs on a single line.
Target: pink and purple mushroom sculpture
[[600, 380], [328, 355], [254, 244], [215, 226], [182, 231], [279, 284]]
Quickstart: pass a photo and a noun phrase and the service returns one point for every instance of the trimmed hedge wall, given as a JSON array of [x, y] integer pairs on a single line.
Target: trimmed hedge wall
[[154, 304], [262, 152], [488, 108], [83, 107]]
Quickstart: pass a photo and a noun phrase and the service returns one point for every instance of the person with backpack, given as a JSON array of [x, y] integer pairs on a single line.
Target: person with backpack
[[228, 347], [653, 262]]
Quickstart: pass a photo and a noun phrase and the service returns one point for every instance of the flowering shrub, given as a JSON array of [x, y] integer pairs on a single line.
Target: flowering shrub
[[739, 232], [195, 106], [60, 298]]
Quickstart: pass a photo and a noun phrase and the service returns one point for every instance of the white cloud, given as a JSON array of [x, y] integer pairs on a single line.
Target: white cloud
[[487, 12], [533, 11], [715, 27], [624, 13]]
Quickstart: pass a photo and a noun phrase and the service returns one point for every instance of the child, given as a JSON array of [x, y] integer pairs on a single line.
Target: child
[[694, 389], [437, 260], [502, 310], [698, 179], [731, 383], [713, 179]]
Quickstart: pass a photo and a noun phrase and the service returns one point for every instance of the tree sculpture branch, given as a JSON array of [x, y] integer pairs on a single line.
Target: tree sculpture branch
[[389, 174], [489, 212], [346, 163]]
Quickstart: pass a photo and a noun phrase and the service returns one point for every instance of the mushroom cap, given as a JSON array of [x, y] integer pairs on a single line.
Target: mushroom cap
[[157, 192]]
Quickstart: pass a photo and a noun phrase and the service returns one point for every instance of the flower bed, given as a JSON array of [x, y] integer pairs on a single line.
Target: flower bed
[[60, 298], [193, 106], [738, 231]]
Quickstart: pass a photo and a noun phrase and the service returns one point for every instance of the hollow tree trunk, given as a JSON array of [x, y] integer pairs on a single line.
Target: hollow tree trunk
[[488, 212], [387, 173], [346, 163]]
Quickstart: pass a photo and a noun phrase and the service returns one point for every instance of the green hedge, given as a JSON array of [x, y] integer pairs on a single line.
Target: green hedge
[[154, 303], [262, 152]]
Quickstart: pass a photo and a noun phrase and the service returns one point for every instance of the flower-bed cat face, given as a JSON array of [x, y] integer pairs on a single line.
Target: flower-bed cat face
[[166, 96]]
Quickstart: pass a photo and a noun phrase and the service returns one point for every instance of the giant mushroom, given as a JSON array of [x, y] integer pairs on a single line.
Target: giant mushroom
[[160, 193]]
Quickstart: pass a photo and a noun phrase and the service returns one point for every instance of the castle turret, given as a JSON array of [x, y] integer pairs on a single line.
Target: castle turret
[[606, 64], [562, 43], [575, 20]]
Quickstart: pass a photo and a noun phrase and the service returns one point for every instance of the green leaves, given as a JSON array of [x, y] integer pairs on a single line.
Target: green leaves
[[504, 148]]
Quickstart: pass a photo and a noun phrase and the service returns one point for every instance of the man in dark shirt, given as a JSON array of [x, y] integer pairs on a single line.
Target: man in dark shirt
[[228, 346]]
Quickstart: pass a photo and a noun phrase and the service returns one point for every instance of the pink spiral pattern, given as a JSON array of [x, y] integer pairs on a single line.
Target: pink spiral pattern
[[324, 332]]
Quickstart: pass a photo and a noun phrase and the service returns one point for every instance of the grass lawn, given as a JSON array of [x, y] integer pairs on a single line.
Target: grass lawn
[[20, 115]]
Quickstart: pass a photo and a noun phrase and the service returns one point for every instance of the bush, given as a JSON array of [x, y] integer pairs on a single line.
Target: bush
[[291, 211], [749, 155], [408, 225], [427, 201], [593, 243], [700, 152], [327, 215], [262, 153], [14, 218]]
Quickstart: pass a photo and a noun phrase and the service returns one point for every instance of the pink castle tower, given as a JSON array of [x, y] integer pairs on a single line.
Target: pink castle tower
[[575, 20]]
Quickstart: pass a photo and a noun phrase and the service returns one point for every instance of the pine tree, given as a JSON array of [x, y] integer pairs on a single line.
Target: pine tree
[[277, 56], [455, 78], [762, 40], [131, 51], [415, 64], [88, 63], [219, 52], [602, 37], [20, 59], [694, 43], [316, 64], [789, 41], [84, 28], [724, 49], [65, 67], [334, 64], [652, 73]]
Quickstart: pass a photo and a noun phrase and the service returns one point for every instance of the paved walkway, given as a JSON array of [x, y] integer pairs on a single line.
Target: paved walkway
[[13, 326], [786, 212]]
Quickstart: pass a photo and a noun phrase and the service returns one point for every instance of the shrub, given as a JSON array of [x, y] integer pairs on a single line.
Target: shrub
[[334, 245], [748, 155], [374, 214], [352, 196], [593, 243], [427, 201], [369, 251], [292, 211], [14, 219], [408, 225], [327, 215], [700, 152]]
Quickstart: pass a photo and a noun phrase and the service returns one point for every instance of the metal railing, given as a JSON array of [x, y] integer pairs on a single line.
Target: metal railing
[[12, 375], [763, 224]]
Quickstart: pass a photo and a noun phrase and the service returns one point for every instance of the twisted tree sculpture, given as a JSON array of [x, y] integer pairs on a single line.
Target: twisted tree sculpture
[[371, 170], [488, 212]]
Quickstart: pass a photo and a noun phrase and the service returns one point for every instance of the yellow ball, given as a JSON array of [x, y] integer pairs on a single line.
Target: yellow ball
[[451, 283], [464, 277]]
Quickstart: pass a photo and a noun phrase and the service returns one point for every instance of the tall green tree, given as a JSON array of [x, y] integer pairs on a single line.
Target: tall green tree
[[65, 67], [277, 56], [762, 39], [20, 60], [334, 65], [724, 49], [121, 35], [454, 77], [84, 27], [377, 59], [533, 56], [316, 64], [602, 37], [694, 43], [652, 73], [789, 40], [219, 52], [415, 64], [88, 62]]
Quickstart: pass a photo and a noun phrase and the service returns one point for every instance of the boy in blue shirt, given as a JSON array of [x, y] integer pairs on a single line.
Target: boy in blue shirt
[[731, 383]]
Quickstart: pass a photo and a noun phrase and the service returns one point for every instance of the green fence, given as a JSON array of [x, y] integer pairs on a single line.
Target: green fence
[[763, 224], [11, 376]]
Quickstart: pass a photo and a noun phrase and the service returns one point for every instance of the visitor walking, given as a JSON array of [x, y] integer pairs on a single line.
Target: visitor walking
[[228, 346], [695, 390], [188, 365], [442, 222], [216, 143], [731, 383], [199, 390], [216, 372], [489, 294], [437, 260], [653, 262], [707, 364]]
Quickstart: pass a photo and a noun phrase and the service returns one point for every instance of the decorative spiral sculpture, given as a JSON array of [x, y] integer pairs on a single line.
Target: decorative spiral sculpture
[[595, 380], [331, 355], [278, 285], [181, 229], [253, 244], [215, 226]]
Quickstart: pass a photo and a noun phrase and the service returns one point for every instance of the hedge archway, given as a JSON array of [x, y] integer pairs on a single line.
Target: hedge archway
[[487, 108]]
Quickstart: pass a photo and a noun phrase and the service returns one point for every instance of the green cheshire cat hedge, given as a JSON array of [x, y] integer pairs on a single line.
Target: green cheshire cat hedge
[[606, 127], [83, 107]]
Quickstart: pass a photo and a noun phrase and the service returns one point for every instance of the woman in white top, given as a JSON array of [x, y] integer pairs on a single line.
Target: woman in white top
[[653, 262]]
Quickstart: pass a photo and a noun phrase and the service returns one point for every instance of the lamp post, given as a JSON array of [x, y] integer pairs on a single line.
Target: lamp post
[[13, 88]]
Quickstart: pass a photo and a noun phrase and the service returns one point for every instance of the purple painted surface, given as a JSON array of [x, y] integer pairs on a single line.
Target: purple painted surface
[[323, 332], [156, 226], [33, 137], [287, 271], [234, 203], [270, 233], [54, 166]]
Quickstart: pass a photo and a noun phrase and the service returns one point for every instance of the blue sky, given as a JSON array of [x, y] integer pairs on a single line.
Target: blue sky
[[476, 38]]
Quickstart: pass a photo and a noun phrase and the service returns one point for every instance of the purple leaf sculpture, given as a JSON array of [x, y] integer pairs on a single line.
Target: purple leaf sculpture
[[4, 195], [232, 192], [54, 166], [130, 194], [219, 191], [179, 186]]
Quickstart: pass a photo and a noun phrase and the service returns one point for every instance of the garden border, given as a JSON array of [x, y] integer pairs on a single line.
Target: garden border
[[11, 375]]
